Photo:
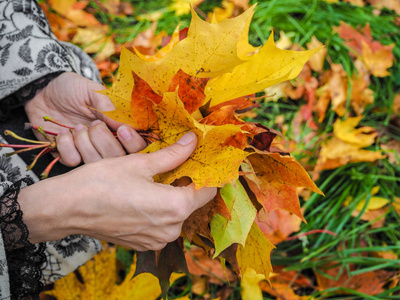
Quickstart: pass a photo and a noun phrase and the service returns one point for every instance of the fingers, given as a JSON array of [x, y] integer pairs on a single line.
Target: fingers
[[191, 199], [104, 141], [130, 139], [90, 144], [70, 156], [172, 156], [84, 145], [203, 195]]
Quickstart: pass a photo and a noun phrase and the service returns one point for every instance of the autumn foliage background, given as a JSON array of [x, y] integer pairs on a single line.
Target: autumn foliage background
[[339, 118]]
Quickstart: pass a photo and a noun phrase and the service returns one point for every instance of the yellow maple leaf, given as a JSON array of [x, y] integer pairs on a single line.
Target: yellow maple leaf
[[255, 253], [244, 48], [120, 93], [374, 202], [208, 51], [346, 131], [345, 146], [210, 164], [265, 68]]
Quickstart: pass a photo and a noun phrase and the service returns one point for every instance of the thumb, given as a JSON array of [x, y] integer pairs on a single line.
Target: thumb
[[170, 157]]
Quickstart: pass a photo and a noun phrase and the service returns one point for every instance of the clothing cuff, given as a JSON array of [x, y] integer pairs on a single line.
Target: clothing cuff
[[24, 94], [24, 259]]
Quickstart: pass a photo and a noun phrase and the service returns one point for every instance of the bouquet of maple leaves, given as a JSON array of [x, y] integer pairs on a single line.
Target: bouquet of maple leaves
[[202, 83]]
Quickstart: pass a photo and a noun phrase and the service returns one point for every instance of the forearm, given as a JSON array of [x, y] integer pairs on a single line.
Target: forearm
[[51, 208]]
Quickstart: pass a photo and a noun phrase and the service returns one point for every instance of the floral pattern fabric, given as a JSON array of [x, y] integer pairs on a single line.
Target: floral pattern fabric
[[30, 56], [29, 50]]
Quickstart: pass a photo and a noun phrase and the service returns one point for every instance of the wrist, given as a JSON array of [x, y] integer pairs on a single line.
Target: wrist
[[46, 209]]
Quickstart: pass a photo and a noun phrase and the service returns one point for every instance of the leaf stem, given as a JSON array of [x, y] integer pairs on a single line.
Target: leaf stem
[[31, 126], [26, 149], [41, 153], [17, 137], [46, 172], [49, 119], [21, 146]]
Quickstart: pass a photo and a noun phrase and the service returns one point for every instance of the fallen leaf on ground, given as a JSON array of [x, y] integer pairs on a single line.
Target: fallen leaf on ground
[[396, 104], [182, 7], [355, 2], [148, 41], [396, 205], [337, 86], [97, 280], [224, 12], [316, 62], [361, 95], [346, 145], [285, 283], [370, 283], [375, 208], [74, 11], [199, 263], [390, 4], [95, 40], [377, 57], [347, 132]]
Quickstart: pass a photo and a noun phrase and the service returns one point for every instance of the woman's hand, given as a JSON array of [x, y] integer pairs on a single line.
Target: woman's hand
[[68, 99], [91, 143], [116, 200]]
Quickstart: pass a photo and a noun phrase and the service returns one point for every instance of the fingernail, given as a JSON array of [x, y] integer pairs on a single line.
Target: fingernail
[[125, 133], [186, 138], [79, 127]]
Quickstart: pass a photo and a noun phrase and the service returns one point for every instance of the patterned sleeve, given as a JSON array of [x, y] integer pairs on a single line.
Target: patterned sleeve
[[31, 56], [29, 50]]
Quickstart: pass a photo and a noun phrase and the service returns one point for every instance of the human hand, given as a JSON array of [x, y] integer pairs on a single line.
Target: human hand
[[94, 142], [116, 200], [67, 99]]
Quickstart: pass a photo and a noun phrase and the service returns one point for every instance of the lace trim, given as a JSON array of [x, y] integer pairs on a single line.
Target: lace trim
[[24, 94], [24, 259]]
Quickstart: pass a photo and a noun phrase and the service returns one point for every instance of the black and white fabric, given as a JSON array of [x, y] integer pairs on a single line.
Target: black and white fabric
[[31, 56]]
